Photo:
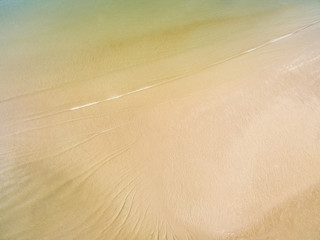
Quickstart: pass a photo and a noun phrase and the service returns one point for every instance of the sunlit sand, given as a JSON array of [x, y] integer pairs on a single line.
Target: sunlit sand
[[182, 128]]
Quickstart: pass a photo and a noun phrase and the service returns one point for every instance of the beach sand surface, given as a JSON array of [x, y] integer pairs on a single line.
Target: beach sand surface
[[204, 139]]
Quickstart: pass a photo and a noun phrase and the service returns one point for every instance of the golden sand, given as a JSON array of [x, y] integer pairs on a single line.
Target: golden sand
[[201, 141]]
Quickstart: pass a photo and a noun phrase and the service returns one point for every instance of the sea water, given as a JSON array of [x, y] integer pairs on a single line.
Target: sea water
[[48, 44]]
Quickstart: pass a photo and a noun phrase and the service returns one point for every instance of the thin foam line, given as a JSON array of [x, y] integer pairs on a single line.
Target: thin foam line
[[112, 98], [86, 105], [184, 75], [221, 61]]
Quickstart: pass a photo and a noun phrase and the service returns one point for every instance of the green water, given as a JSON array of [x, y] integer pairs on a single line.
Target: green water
[[49, 43], [123, 18]]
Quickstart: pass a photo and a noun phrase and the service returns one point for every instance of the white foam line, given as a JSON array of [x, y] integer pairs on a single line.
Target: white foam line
[[267, 43], [221, 61], [253, 49], [280, 38], [112, 98], [86, 105]]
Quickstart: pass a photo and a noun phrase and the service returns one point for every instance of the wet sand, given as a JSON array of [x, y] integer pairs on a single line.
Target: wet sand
[[187, 145]]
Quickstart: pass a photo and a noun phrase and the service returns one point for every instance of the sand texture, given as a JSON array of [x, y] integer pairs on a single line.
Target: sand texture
[[207, 137]]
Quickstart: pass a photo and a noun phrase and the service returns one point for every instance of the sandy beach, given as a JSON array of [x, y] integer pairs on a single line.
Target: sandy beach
[[210, 137]]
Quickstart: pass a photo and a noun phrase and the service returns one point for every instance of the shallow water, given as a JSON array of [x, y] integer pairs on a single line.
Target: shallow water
[[48, 44], [159, 120]]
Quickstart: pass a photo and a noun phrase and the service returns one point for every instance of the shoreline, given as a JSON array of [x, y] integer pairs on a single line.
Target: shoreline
[[220, 153], [60, 64]]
